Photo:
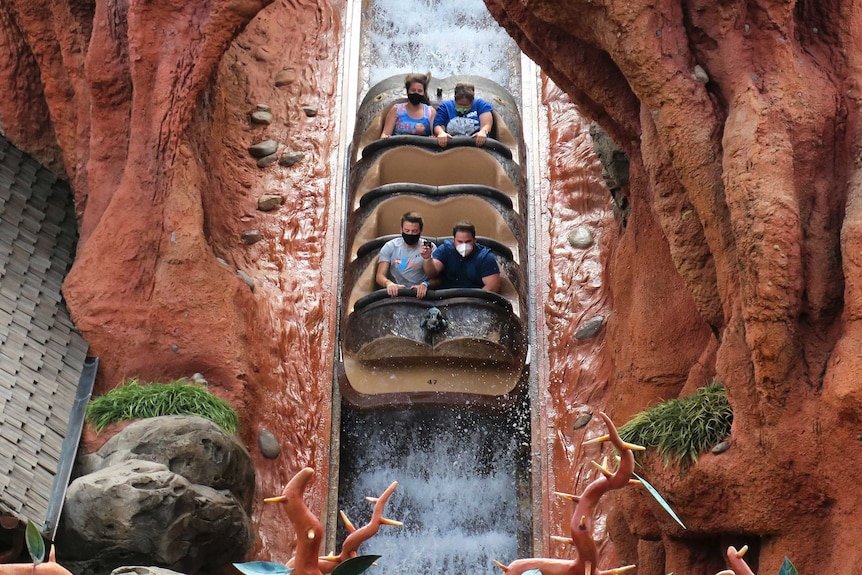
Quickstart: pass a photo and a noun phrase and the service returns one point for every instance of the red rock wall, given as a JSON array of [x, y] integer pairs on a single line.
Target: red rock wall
[[145, 106], [739, 258]]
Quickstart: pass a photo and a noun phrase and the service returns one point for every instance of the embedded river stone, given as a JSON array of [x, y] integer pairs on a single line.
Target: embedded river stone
[[246, 278], [267, 161], [590, 327], [269, 202], [580, 238], [582, 421], [285, 77], [263, 149], [251, 236], [268, 444], [721, 447], [261, 117], [290, 158]]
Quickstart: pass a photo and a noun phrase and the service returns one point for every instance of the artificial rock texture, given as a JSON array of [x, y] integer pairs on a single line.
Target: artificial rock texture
[[172, 491], [739, 258], [145, 107]]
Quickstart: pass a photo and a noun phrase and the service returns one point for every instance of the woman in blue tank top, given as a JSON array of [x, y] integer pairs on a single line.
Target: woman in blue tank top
[[415, 116]]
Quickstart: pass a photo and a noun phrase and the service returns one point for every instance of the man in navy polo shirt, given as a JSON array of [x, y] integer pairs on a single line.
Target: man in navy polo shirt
[[462, 263]]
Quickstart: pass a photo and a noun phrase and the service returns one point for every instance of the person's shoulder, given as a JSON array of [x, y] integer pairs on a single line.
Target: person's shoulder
[[392, 244], [446, 245], [486, 251], [483, 104], [446, 105]]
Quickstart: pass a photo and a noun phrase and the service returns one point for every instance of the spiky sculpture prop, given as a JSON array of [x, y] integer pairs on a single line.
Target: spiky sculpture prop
[[581, 523], [309, 532]]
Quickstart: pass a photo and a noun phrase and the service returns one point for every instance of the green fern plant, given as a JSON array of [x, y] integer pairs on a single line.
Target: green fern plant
[[134, 400], [680, 429]]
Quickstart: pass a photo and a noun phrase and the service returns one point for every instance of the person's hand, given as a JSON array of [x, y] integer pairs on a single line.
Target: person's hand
[[480, 137], [443, 139], [421, 290], [425, 251], [384, 136], [392, 288]]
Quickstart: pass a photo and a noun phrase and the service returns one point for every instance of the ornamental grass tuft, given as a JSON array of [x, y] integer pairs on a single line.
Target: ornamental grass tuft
[[680, 429], [136, 400]]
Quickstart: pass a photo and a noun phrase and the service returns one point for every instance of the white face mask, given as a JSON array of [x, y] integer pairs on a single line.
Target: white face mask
[[464, 249]]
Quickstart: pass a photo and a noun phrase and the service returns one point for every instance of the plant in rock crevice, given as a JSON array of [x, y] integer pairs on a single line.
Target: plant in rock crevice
[[680, 429], [134, 400]]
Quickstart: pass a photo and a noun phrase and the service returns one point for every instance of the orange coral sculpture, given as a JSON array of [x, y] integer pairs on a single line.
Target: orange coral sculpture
[[309, 532], [581, 523]]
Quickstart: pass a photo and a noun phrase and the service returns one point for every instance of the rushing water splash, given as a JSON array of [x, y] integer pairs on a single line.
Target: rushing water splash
[[447, 37], [461, 477]]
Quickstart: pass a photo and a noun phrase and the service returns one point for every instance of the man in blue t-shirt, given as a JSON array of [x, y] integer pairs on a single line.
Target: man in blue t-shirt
[[463, 116], [462, 263]]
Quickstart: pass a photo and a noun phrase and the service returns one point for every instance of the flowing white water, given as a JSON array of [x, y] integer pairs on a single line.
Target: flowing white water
[[447, 37], [461, 479], [463, 476]]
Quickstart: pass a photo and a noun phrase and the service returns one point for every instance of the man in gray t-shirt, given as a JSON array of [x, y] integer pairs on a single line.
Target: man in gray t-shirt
[[401, 259]]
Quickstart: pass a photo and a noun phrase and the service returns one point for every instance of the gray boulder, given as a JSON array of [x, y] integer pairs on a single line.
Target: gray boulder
[[172, 492], [193, 447]]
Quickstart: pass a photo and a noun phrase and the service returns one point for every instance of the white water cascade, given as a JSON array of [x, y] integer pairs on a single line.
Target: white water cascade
[[447, 37], [462, 480], [463, 476]]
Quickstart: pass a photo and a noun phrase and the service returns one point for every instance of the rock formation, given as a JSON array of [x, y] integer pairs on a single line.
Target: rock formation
[[144, 499], [146, 108], [739, 256]]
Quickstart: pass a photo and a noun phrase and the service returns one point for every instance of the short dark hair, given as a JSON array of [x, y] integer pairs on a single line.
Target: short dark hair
[[464, 226], [465, 90], [413, 218]]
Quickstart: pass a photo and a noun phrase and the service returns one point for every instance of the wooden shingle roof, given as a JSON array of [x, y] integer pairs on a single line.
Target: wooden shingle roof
[[42, 355]]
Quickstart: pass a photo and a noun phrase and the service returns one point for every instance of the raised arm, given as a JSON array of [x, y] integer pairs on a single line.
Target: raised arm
[[433, 267]]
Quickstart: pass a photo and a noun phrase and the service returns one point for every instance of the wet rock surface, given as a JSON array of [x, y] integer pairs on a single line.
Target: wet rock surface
[[705, 281]]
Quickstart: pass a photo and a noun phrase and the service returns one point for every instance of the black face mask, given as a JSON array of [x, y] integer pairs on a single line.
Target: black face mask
[[410, 239], [415, 98]]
